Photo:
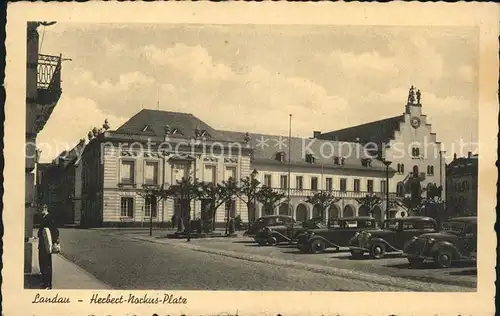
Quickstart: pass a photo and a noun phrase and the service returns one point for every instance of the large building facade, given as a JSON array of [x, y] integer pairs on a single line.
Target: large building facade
[[408, 143], [160, 148], [43, 90], [393, 158], [461, 193]]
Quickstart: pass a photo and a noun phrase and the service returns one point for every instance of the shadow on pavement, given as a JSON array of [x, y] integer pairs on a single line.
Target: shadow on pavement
[[32, 281], [244, 242], [465, 272], [367, 258]]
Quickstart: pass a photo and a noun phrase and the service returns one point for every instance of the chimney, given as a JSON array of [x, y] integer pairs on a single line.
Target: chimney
[[454, 156], [316, 134], [469, 154]]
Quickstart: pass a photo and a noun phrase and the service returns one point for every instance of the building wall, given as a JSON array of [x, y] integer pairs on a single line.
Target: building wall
[[113, 191], [400, 152], [461, 193]]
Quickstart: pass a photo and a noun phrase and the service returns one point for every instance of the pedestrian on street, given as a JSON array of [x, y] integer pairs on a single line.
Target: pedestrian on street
[[48, 243]]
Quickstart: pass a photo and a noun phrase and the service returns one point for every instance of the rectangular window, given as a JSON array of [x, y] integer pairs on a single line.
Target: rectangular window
[[267, 180], [300, 182], [127, 172], [284, 182], [230, 173], [179, 172], [127, 207], [151, 173], [209, 175], [343, 184], [369, 186], [401, 168], [329, 184], [430, 170], [383, 187], [314, 183], [357, 185], [150, 205]]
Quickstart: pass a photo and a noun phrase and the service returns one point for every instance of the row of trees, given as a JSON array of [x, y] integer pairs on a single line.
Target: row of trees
[[248, 190]]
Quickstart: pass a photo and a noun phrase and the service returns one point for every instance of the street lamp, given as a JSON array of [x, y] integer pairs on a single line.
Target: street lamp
[[253, 175], [387, 164]]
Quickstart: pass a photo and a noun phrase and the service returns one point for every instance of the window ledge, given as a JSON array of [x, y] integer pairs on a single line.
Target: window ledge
[[126, 218]]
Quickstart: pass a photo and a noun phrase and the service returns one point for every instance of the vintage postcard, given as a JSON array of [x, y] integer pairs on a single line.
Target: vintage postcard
[[250, 159]]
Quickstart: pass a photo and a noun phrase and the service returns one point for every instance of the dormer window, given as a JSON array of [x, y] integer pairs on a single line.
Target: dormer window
[[204, 133], [146, 128], [176, 130], [280, 156], [310, 158], [366, 162], [339, 160]]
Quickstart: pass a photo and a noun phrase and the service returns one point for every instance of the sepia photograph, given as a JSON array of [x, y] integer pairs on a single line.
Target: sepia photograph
[[314, 157]]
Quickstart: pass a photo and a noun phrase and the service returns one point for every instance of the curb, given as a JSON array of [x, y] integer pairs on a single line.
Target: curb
[[395, 282]]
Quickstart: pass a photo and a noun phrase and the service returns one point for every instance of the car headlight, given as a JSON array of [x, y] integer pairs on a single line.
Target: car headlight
[[310, 233], [431, 240], [356, 235]]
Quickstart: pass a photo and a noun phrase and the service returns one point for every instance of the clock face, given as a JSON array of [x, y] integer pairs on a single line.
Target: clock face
[[415, 122]]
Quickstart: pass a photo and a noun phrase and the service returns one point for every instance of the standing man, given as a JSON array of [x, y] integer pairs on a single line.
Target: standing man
[[48, 235]]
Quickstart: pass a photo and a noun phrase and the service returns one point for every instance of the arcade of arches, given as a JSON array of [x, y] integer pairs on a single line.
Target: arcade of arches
[[304, 211]]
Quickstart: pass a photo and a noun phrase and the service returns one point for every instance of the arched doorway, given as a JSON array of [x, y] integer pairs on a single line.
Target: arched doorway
[[334, 211], [400, 189], [363, 211], [316, 211], [377, 213], [284, 209], [349, 211], [301, 213]]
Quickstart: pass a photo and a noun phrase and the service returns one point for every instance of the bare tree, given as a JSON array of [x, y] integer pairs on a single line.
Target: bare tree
[[270, 199], [370, 201], [156, 192], [248, 191], [322, 199]]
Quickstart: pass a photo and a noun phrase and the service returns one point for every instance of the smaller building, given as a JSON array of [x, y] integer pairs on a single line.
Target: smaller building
[[59, 186], [461, 193]]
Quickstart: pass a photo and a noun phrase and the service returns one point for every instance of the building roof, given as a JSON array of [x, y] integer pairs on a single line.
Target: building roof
[[265, 147], [379, 132], [153, 123]]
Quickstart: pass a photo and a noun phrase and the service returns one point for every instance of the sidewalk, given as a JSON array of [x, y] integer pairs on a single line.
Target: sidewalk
[[66, 274]]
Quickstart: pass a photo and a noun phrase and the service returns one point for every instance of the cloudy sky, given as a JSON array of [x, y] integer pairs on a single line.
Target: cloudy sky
[[250, 77]]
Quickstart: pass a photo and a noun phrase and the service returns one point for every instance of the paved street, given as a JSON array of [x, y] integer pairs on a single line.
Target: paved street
[[130, 264], [124, 263]]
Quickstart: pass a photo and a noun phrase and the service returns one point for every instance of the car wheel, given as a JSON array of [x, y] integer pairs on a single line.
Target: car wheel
[[262, 243], [317, 246], [272, 241], [415, 262], [444, 259], [377, 251], [356, 254]]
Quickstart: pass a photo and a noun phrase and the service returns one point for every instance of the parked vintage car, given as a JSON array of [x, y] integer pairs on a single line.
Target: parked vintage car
[[335, 235], [457, 241], [287, 232], [268, 221], [395, 233]]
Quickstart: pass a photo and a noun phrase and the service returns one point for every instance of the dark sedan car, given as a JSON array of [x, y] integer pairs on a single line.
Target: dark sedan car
[[457, 241], [273, 235], [269, 221], [393, 237], [335, 235]]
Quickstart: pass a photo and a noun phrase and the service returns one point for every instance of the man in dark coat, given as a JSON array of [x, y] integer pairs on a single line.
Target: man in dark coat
[[44, 256]]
